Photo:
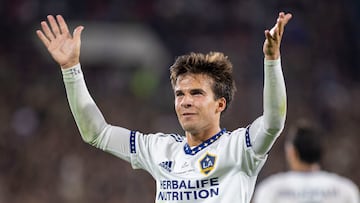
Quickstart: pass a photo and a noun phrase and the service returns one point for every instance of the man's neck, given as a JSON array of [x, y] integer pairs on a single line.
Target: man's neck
[[196, 138], [305, 167]]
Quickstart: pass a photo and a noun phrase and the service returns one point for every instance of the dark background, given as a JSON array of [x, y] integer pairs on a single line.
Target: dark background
[[128, 47]]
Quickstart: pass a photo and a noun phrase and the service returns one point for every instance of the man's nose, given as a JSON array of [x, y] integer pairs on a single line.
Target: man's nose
[[187, 101]]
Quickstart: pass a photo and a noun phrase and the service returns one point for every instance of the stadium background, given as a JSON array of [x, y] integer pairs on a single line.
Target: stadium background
[[127, 49]]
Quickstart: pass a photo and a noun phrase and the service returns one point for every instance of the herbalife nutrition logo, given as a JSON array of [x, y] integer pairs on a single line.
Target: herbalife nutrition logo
[[167, 165]]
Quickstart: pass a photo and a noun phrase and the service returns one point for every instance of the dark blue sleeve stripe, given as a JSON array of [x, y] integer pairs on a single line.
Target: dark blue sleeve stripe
[[132, 142], [177, 138], [247, 137]]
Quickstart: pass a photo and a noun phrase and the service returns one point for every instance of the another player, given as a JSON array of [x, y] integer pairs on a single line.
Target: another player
[[305, 182], [209, 164]]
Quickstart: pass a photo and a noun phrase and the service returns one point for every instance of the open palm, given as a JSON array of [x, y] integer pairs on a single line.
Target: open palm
[[64, 48]]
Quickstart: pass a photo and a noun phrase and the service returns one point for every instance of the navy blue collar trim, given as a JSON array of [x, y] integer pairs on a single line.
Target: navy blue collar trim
[[203, 145]]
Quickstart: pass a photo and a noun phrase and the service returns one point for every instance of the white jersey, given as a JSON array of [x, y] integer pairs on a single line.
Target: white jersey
[[222, 169], [306, 187]]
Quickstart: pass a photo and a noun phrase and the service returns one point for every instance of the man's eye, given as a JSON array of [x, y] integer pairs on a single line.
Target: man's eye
[[197, 93]]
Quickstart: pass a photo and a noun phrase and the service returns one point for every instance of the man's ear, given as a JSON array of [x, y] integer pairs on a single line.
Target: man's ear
[[221, 105]]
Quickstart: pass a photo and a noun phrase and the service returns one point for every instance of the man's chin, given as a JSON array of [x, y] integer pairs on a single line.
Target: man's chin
[[189, 128]]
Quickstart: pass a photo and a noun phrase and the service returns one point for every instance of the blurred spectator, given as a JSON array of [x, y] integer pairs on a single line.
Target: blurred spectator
[[305, 181]]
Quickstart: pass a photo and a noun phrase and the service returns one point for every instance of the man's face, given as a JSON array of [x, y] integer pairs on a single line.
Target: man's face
[[195, 104]]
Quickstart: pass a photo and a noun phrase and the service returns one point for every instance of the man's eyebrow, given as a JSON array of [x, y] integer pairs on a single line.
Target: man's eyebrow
[[178, 91], [197, 90], [192, 91]]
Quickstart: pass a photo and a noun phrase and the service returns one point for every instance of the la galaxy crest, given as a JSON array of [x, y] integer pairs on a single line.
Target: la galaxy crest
[[207, 163]]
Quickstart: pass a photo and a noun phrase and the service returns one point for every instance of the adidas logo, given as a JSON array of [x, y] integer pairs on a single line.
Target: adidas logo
[[167, 165]]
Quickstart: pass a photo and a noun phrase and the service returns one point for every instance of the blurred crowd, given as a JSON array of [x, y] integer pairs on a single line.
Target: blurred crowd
[[42, 156]]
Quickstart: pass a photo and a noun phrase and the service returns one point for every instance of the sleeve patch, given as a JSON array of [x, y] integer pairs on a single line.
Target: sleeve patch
[[132, 142], [247, 137]]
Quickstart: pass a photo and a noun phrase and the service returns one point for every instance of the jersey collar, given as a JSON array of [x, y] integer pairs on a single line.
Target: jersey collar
[[203, 145]]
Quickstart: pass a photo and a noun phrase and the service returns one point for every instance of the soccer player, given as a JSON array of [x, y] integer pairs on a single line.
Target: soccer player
[[208, 164], [305, 182]]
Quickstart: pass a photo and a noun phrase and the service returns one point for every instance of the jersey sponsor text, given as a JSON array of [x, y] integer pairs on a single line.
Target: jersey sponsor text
[[188, 189]]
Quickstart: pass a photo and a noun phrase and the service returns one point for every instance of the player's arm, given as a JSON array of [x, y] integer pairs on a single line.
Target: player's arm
[[268, 127], [89, 119], [65, 49]]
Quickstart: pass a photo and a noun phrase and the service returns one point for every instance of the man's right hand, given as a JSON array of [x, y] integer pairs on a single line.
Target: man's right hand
[[64, 48], [271, 47]]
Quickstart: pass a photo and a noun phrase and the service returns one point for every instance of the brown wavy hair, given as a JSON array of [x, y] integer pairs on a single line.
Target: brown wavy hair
[[213, 64]]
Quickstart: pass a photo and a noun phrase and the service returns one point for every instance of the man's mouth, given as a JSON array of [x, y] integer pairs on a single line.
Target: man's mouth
[[188, 114]]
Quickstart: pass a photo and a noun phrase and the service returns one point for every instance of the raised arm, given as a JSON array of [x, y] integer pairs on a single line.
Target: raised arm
[[65, 50], [265, 129]]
